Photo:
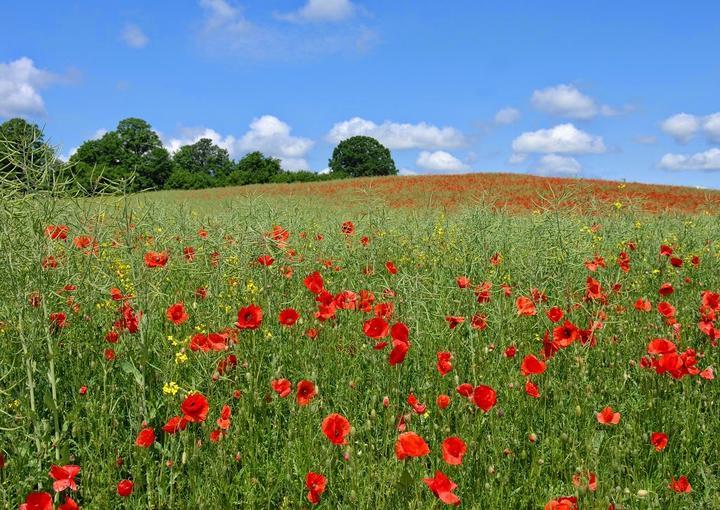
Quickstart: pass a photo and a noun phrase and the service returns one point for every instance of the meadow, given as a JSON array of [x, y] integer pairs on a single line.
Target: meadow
[[493, 342]]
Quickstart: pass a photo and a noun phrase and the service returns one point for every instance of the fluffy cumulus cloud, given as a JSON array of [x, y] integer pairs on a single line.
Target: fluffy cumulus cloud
[[567, 101], [563, 138], [684, 126], [267, 134], [398, 136], [554, 164], [708, 161], [321, 11], [440, 161], [134, 36], [507, 116], [20, 85]]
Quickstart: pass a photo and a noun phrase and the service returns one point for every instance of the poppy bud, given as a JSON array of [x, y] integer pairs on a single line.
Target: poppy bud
[[386, 401], [642, 493], [83, 390], [532, 437], [578, 411]]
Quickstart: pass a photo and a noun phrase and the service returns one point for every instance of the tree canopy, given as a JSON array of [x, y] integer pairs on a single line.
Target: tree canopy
[[362, 156]]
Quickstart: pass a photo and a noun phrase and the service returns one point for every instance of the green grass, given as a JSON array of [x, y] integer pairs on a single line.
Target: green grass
[[273, 443]]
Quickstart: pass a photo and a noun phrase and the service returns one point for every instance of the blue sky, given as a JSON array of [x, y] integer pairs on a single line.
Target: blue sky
[[605, 89]]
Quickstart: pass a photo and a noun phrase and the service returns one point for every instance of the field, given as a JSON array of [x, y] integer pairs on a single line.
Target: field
[[493, 341]]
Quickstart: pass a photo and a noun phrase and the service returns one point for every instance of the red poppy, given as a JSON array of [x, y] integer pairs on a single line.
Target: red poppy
[[666, 289], [624, 262], [510, 351], [70, 504], [555, 314], [409, 444], [443, 363], [484, 397], [525, 306], [566, 334], [577, 480], [175, 424], [442, 401], [463, 282], [282, 387], [265, 260], [336, 427], [390, 266], [314, 282], [479, 321], [177, 314], [531, 389], [676, 261], [58, 320], [348, 228], [145, 438], [195, 408], [37, 501], [666, 309], [453, 450], [442, 487], [305, 392], [376, 328], [643, 305], [288, 317], [224, 420], [465, 389], [57, 231], [681, 485], [659, 440], [417, 406], [64, 477], [562, 503], [315, 484], [608, 417], [531, 365], [125, 488], [156, 259], [454, 320], [249, 317]]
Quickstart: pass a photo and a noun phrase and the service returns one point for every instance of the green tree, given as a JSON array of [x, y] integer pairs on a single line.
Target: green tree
[[362, 156], [204, 160], [20, 143], [255, 168]]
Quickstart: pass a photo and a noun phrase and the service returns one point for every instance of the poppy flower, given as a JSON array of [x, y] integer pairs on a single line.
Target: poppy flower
[[224, 420], [681, 485], [555, 314], [484, 397], [69, 504], [398, 353], [305, 392], [659, 440], [442, 487], [156, 259], [443, 363], [463, 282], [442, 401], [64, 477], [175, 424], [57, 231], [417, 406], [315, 484], [666, 289], [510, 351], [390, 266], [531, 389], [531, 365], [249, 317], [336, 427], [125, 488], [666, 309], [409, 444], [195, 408], [376, 328], [145, 438], [454, 320], [282, 387], [479, 321], [525, 306], [314, 282], [566, 334], [562, 503], [37, 501], [288, 317], [608, 417], [465, 389], [265, 260], [177, 314], [453, 450], [643, 305], [577, 480]]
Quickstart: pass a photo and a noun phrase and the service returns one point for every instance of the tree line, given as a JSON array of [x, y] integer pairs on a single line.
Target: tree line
[[133, 154]]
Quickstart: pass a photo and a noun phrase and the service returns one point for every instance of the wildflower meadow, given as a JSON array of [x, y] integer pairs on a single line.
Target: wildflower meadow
[[162, 351]]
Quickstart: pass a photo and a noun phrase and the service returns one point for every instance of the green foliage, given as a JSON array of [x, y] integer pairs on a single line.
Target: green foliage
[[21, 143], [204, 157], [362, 156], [255, 168]]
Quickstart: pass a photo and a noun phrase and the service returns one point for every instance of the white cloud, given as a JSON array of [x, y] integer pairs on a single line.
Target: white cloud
[[708, 161], [646, 139], [226, 30], [516, 159], [407, 171], [321, 11], [134, 36], [507, 116], [681, 126], [553, 164], [440, 161], [563, 138], [267, 134], [711, 126], [398, 136], [567, 101], [20, 83]]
